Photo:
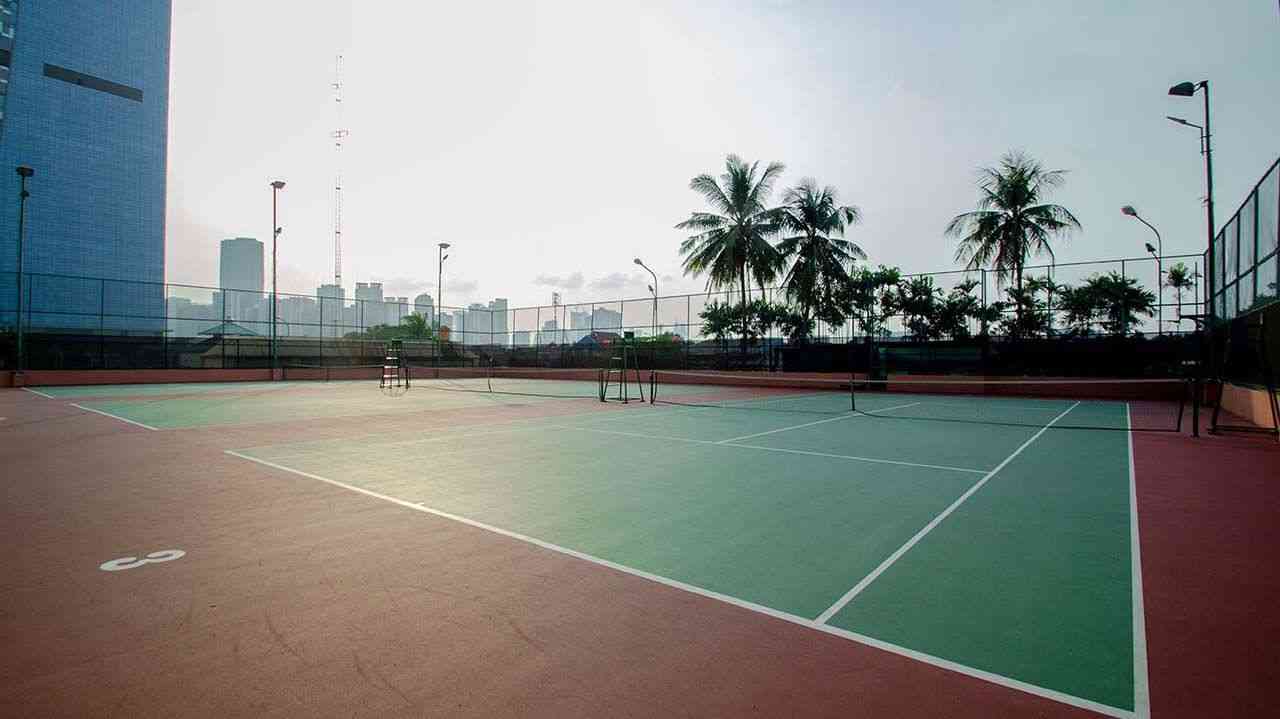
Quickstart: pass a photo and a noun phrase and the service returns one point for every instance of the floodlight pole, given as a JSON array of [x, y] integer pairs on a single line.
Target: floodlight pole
[[276, 186], [440, 257], [1187, 89], [23, 172]]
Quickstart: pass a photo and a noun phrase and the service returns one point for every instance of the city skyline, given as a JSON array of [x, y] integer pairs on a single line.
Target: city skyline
[[899, 131]]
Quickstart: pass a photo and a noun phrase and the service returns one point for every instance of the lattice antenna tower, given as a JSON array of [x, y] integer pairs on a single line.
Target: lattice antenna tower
[[338, 135]]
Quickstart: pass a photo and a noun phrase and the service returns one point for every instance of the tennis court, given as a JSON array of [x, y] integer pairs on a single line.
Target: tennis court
[[991, 536]]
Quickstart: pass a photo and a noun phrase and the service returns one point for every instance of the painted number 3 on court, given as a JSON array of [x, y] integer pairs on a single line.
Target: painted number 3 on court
[[164, 555]]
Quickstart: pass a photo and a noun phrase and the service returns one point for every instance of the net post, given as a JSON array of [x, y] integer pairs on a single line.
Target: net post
[[1182, 403]]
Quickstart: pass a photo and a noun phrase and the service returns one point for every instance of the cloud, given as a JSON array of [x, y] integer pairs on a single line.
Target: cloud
[[616, 282], [462, 287], [402, 286], [573, 281]]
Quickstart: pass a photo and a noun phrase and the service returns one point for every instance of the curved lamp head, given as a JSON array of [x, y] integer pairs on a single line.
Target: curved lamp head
[[25, 171], [278, 184], [638, 261], [443, 245], [1128, 210], [1183, 89]]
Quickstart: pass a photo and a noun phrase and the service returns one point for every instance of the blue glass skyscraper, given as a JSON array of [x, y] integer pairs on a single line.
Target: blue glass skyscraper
[[84, 101]]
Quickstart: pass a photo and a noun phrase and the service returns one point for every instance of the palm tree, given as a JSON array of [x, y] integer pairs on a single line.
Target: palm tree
[[733, 239], [821, 259], [1179, 278], [1012, 222]]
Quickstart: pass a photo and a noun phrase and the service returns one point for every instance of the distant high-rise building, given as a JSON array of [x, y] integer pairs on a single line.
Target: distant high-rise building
[[551, 333], [372, 309], [606, 320], [240, 277], [397, 309], [459, 326], [84, 102], [368, 292], [579, 320], [332, 315], [498, 311], [579, 325], [425, 306], [479, 324]]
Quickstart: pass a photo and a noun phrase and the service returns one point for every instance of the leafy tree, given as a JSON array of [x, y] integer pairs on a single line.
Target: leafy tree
[[820, 257], [721, 320], [1179, 279], [956, 309], [797, 327], [733, 239], [918, 299], [1012, 222], [1029, 318], [1113, 302], [873, 294], [1120, 301], [412, 327], [1080, 309]]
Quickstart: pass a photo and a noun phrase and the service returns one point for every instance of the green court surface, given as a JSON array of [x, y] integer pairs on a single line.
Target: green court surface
[[177, 406], [997, 548], [160, 390]]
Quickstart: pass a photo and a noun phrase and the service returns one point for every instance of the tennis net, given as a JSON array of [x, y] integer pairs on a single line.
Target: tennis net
[[330, 373], [1108, 404], [1150, 405], [753, 391], [526, 381]]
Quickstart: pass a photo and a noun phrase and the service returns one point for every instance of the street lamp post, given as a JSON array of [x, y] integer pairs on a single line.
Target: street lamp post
[[276, 187], [440, 258], [23, 172], [1187, 89], [654, 290], [1158, 253]]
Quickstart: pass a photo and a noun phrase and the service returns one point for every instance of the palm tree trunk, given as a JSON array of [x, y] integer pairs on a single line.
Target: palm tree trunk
[[1017, 306], [742, 270]]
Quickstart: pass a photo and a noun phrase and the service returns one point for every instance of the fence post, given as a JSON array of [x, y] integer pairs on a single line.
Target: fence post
[[102, 335], [688, 327], [983, 275]]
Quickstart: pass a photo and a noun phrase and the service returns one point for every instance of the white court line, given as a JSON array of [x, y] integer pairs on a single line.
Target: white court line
[[889, 562], [725, 598], [810, 424], [114, 416], [873, 460], [38, 392], [761, 448], [1141, 687]]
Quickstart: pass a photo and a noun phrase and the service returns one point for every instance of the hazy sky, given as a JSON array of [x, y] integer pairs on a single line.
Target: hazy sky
[[552, 142]]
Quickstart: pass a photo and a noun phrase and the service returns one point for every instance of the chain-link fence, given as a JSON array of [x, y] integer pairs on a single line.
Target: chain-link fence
[[85, 323]]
